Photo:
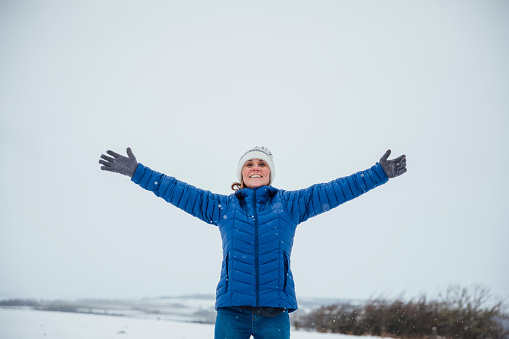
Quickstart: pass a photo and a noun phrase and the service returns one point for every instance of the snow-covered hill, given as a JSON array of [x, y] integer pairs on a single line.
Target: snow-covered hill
[[19, 323], [166, 317], [198, 308]]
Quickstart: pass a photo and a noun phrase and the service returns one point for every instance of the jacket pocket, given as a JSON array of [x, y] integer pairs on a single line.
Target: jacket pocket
[[287, 265], [227, 272]]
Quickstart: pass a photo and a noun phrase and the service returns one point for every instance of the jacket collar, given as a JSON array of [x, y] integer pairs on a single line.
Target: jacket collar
[[260, 191], [263, 194]]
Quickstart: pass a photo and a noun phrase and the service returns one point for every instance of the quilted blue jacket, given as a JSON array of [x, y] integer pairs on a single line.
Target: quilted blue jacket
[[257, 228]]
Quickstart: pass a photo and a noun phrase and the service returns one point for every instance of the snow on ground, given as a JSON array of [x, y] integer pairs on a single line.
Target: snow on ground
[[31, 324]]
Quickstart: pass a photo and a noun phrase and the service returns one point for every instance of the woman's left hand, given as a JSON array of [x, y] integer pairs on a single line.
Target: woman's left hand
[[395, 167]]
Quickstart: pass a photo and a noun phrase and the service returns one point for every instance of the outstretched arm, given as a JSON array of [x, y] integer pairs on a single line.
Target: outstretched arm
[[319, 198], [202, 204]]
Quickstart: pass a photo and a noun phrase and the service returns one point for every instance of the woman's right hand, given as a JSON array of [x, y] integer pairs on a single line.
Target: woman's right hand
[[119, 164]]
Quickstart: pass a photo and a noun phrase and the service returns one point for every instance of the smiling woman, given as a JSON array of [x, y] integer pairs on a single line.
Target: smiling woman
[[256, 169], [256, 173], [256, 289]]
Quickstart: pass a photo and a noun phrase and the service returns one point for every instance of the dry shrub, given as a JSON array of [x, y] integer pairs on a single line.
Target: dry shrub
[[460, 313]]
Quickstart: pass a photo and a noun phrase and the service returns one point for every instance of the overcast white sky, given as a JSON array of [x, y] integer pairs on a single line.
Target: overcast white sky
[[328, 86]]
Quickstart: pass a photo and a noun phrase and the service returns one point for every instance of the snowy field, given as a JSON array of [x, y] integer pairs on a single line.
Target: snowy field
[[31, 324]]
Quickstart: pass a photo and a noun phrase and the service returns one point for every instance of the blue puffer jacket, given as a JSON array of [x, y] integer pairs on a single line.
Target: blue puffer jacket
[[257, 228]]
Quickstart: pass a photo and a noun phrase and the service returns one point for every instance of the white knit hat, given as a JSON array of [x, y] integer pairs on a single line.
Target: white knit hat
[[258, 152]]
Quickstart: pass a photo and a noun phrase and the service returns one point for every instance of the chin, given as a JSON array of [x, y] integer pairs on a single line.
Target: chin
[[259, 184]]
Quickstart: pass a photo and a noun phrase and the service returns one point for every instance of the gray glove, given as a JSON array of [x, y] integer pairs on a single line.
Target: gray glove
[[119, 163], [394, 167]]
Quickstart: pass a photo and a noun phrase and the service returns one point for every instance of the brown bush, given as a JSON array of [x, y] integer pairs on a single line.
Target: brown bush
[[460, 313]]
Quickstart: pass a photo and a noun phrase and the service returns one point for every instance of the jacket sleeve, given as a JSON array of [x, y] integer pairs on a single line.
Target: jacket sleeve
[[309, 202], [202, 204]]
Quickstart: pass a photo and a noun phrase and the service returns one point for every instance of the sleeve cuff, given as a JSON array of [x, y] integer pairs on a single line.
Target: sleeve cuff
[[381, 173], [138, 174]]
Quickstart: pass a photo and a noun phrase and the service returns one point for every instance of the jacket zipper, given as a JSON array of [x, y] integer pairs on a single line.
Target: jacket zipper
[[257, 270]]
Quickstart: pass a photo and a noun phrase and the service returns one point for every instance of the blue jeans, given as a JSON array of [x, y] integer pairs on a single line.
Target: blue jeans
[[234, 323]]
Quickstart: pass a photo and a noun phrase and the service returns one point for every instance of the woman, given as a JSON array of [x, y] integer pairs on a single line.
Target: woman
[[257, 223]]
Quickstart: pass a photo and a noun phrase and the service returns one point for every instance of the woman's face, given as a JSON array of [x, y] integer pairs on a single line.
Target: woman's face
[[255, 173]]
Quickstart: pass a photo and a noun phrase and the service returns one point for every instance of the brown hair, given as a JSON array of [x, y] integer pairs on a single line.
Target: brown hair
[[238, 186]]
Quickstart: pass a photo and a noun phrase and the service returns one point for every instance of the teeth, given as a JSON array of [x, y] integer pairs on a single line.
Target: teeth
[[256, 176]]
